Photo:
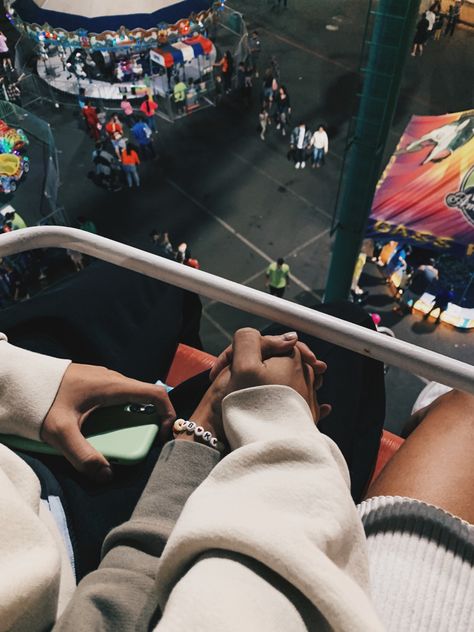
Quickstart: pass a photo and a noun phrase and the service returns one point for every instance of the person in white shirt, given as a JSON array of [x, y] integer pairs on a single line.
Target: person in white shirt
[[431, 17], [300, 143], [4, 50], [320, 145]]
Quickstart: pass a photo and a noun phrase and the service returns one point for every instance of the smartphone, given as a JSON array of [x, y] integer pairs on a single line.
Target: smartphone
[[123, 434]]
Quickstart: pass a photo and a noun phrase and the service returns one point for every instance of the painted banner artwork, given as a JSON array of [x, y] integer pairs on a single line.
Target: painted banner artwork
[[426, 195]]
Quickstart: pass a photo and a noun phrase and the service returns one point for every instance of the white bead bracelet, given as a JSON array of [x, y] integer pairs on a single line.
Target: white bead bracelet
[[191, 427]]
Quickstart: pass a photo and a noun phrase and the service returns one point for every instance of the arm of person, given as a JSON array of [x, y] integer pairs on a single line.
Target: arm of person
[[120, 594], [271, 539], [49, 399], [28, 386]]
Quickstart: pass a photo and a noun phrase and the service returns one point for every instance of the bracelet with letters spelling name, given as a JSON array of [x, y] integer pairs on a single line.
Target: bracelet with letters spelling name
[[191, 427]]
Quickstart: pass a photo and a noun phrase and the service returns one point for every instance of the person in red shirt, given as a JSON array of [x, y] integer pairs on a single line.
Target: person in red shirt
[[148, 108], [130, 162], [114, 126], [90, 115]]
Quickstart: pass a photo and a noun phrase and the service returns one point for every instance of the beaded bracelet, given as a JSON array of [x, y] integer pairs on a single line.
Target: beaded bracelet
[[191, 427]]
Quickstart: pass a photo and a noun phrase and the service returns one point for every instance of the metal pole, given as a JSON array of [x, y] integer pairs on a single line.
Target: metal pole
[[386, 50], [429, 364]]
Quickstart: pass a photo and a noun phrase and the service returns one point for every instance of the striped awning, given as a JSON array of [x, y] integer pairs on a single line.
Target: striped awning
[[180, 52]]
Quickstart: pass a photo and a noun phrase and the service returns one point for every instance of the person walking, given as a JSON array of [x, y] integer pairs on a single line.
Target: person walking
[[441, 301], [4, 51], [104, 173], [421, 35], [281, 3], [179, 95], [114, 126], [300, 144], [263, 118], [453, 19], [278, 277], [148, 109], [255, 49], [162, 242], [130, 162], [438, 27], [127, 110], [143, 135], [283, 109], [320, 145], [226, 65], [431, 17], [89, 113], [422, 278]]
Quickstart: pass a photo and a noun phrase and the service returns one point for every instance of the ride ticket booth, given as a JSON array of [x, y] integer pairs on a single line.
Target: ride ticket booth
[[183, 71]]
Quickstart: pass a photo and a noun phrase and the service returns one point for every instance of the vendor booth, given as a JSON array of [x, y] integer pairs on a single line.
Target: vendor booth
[[102, 50], [426, 198]]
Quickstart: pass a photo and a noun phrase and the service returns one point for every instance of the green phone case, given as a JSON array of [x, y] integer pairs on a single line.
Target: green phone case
[[120, 435]]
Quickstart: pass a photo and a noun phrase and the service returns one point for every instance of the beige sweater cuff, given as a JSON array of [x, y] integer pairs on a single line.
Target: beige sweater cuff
[[28, 385]]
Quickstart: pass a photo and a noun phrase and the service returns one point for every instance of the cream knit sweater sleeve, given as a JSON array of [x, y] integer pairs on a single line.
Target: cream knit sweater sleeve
[[271, 541], [28, 385]]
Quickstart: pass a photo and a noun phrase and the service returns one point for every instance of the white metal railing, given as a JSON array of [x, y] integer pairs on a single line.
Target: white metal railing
[[404, 355]]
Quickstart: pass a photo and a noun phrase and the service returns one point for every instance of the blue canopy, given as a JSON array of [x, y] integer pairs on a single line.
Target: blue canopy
[[31, 12]]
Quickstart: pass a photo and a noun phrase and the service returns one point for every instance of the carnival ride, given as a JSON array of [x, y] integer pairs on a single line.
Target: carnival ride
[[102, 50]]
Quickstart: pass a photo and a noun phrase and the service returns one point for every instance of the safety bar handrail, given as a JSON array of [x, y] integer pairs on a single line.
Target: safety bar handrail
[[404, 355]]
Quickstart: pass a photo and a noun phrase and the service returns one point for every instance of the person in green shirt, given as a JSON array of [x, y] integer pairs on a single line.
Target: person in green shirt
[[87, 224], [278, 277], [179, 93]]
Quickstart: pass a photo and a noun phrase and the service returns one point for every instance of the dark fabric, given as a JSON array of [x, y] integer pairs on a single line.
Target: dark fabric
[[277, 291], [300, 155], [421, 281], [354, 386], [107, 316]]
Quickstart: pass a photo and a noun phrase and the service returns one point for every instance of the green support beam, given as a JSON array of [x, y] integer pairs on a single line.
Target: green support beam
[[390, 27]]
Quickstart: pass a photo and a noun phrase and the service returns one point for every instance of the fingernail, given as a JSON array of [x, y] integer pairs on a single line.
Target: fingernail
[[105, 474], [291, 335]]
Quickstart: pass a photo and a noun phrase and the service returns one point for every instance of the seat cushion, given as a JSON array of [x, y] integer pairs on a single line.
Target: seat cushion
[[187, 363]]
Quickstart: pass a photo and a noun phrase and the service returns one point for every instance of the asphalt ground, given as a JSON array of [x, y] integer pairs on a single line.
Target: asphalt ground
[[239, 203]]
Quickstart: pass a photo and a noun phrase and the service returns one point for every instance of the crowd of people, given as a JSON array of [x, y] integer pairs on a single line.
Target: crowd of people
[[163, 247], [25, 274], [435, 23], [119, 151], [275, 103]]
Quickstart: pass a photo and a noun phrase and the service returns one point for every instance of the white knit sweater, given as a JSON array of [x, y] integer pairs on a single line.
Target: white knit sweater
[[36, 579], [260, 545]]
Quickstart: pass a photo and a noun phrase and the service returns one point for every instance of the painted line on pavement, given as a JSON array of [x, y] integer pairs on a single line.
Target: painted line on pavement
[[289, 254], [234, 232], [281, 184], [219, 327]]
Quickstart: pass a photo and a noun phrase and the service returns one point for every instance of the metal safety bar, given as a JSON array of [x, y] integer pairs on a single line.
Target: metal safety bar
[[404, 355]]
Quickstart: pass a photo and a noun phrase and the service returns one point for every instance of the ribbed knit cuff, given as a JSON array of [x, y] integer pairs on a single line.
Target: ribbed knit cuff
[[421, 565]]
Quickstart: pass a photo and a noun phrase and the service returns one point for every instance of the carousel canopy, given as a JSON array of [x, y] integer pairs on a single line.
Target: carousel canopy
[[97, 16]]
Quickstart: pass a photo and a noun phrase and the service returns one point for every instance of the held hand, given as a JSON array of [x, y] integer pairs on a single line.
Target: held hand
[[83, 389], [274, 346], [257, 361]]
